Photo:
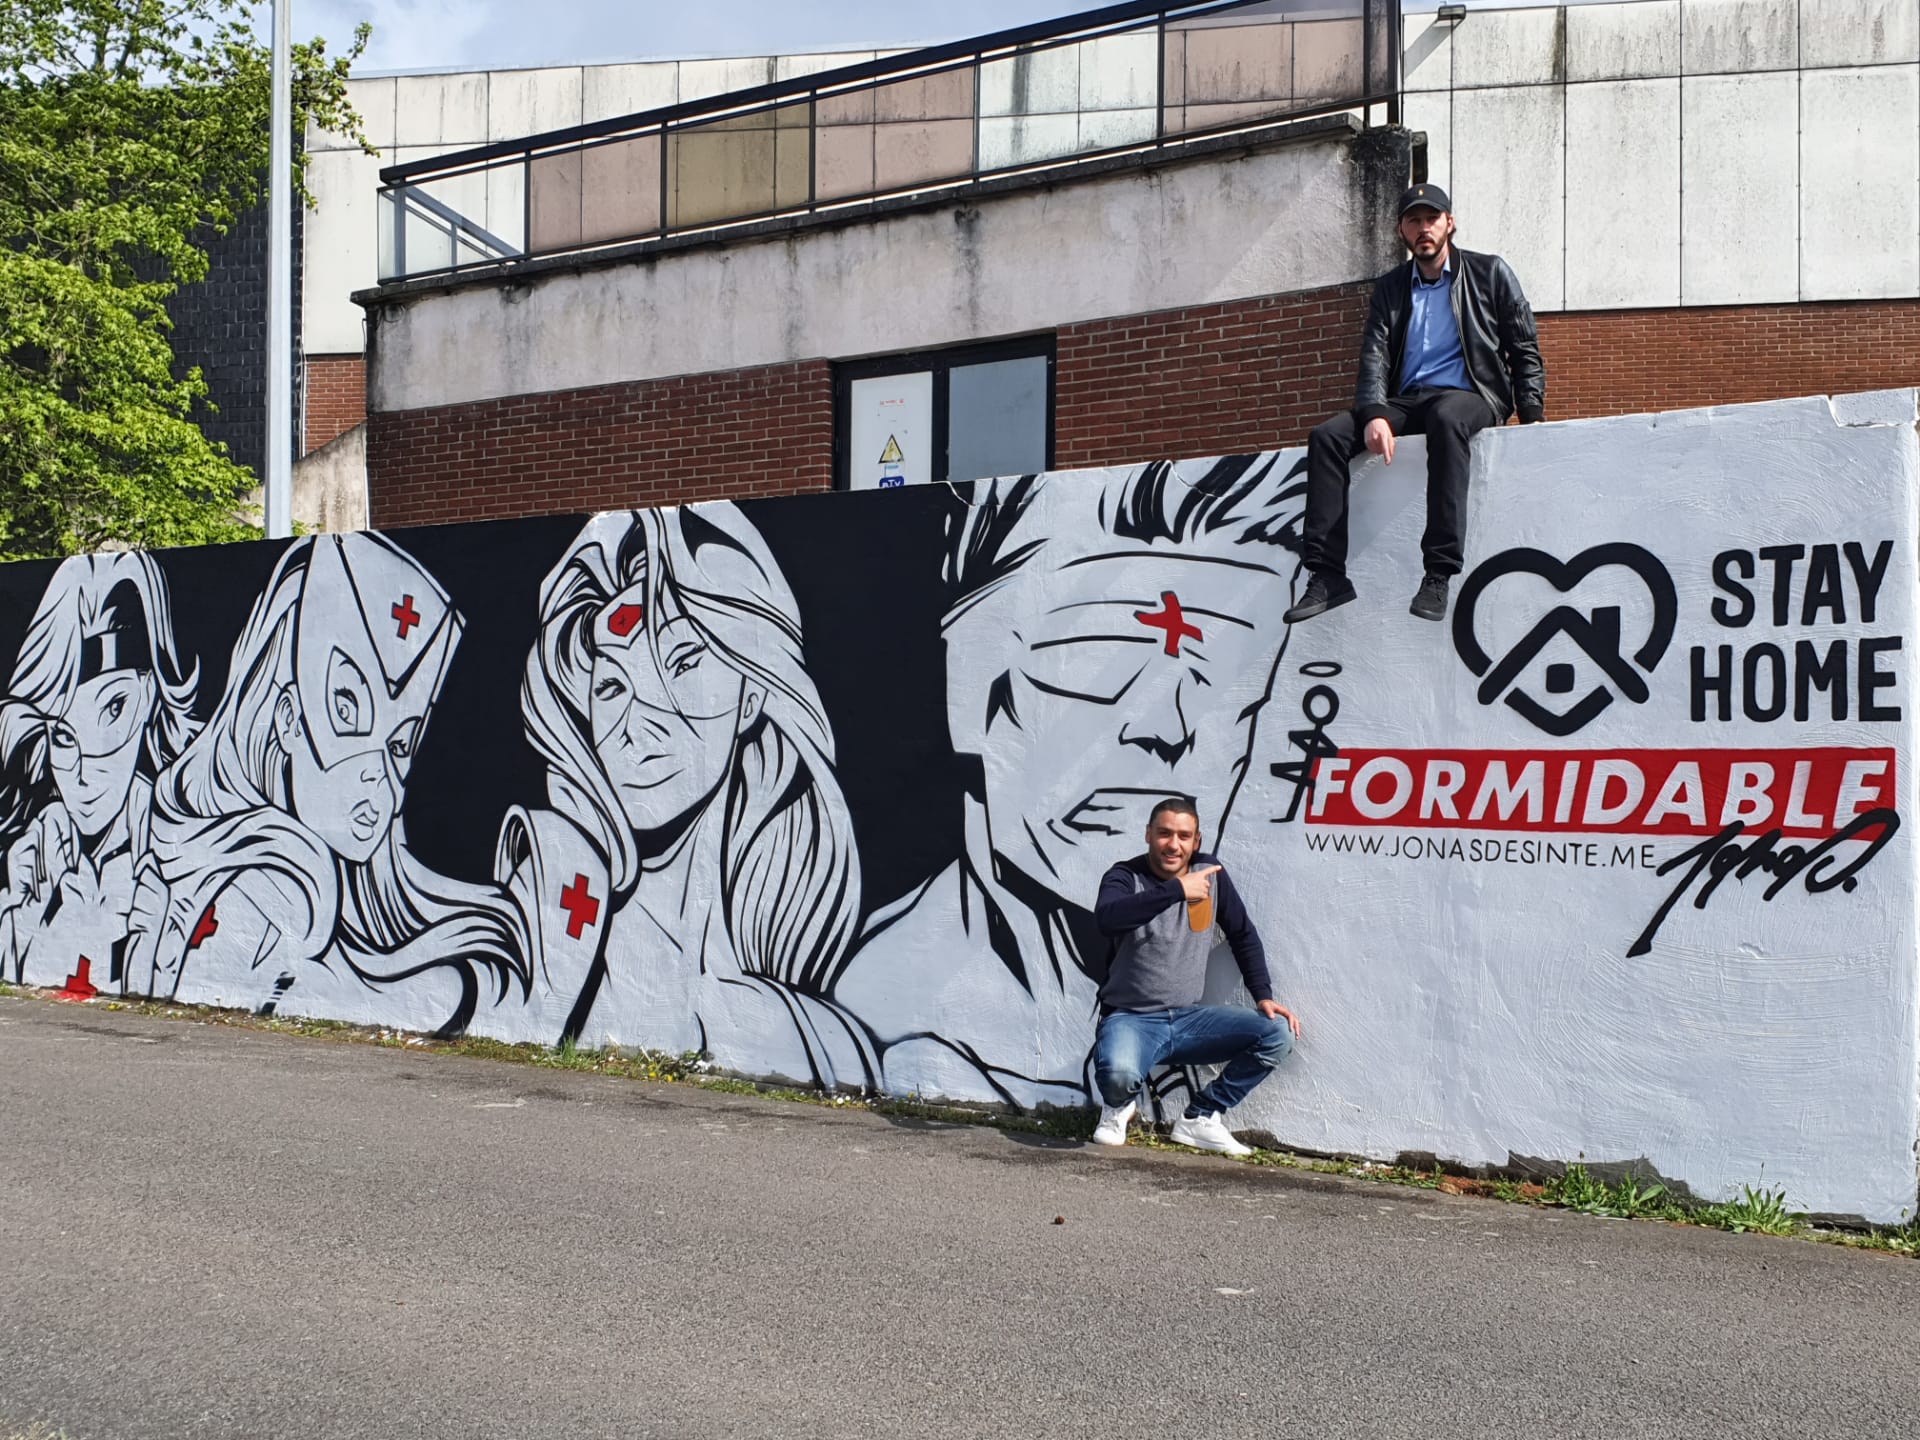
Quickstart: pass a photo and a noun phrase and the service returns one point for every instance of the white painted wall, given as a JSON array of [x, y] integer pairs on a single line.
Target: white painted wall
[[1490, 1006], [1289, 217], [1482, 980], [1694, 152]]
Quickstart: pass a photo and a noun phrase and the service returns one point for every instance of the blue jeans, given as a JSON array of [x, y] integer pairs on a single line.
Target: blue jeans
[[1129, 1046]]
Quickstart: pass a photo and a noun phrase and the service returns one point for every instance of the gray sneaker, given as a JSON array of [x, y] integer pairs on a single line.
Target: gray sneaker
[[1431, 602]]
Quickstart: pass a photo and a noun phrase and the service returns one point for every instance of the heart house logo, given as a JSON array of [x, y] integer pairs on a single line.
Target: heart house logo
[[1595, 632]]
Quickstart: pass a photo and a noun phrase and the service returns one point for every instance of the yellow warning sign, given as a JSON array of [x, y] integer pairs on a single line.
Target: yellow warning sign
[[891, 455]]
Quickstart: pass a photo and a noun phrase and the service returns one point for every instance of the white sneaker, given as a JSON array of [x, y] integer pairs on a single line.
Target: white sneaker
[[1112, 1129], [1208, 1132]]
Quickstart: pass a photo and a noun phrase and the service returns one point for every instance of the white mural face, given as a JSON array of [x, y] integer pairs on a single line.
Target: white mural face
[[97, 702], [665, 711], [1119, 655], [1612, 865], [95, 747]]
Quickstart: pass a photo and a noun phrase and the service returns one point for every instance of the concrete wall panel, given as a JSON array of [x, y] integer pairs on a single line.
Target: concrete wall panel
[[1327, 60], [843, 161], [918, 152], [1723, 37], [1427, 54], [1631, 41], [1026, 139], [785, 67], [1508, 47], [1740, 209], [530, 102], [1623, 226], [1861, 32], [607, 91], [1859, 183], [346, 184], [441, 112], [1228, 64], [1508, 167], [506, 202], [620, 190], [1107, 129], [1037, 82], [1433, 113], [700, 79], [1120, 72], [373, 100]]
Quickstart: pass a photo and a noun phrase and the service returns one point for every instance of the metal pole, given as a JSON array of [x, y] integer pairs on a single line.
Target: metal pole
[[279, 476]]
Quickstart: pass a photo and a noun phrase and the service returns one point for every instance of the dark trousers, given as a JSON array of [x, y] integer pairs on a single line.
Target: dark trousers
[[1448, 418]]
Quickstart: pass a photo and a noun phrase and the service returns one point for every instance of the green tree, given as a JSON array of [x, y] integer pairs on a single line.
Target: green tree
[[130, 130]]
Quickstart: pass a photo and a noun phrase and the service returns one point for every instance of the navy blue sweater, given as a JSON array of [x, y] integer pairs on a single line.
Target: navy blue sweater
[[1126, 904]]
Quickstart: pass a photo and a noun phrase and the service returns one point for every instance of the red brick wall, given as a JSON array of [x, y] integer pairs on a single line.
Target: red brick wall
[[1211, 380], [1208, 380], [1622, 362], [336, 397], [661, 442]]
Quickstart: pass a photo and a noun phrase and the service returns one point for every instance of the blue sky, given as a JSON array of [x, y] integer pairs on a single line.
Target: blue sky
[[481, 34]]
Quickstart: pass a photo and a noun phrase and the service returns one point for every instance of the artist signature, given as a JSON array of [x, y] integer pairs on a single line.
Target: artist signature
[[1817, 866]]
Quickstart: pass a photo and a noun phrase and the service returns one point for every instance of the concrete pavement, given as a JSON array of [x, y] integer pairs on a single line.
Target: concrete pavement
[[229, 1233]]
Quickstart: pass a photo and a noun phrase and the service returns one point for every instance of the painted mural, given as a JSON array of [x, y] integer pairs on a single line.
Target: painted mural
[[823, 787]]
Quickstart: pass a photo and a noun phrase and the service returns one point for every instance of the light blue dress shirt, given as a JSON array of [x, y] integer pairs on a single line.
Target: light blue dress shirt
[[1433, 359]]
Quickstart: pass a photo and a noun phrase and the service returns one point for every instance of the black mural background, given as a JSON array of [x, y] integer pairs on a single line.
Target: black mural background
[[865, 570]]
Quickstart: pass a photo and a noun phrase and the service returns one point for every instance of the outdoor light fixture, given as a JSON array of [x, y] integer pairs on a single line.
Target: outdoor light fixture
[[1450, 14]]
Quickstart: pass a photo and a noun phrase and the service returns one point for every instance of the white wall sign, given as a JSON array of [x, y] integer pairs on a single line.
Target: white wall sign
[[890, 422]]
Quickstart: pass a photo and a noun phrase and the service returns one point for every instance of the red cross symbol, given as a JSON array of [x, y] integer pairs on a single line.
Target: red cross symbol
[[1169, 619], [80, 984], [406, 615], [581, 907]]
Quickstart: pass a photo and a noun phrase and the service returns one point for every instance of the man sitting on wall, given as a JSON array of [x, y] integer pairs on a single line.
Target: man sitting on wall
[[1162, 910], [1449, 349]]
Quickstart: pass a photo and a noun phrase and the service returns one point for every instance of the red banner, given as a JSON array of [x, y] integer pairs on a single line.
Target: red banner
[[1809, 793]]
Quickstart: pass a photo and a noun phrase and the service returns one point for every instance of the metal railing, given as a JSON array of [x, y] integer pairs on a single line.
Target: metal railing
[[1139, 75]]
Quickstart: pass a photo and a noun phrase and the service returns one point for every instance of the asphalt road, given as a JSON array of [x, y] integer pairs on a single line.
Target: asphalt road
[[218, 1232]]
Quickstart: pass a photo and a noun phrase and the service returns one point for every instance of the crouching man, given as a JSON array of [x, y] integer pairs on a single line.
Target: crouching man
[[1162, 911]]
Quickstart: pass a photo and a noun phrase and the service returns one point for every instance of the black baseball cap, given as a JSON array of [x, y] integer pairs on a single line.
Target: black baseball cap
[[1431, 196]]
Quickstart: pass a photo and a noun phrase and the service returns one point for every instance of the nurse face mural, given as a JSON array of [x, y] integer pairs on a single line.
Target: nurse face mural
[[1112, 645], [372, 642], [665, 709]]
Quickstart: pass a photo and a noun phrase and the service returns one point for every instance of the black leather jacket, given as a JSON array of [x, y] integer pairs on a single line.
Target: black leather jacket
[[1496, 338]]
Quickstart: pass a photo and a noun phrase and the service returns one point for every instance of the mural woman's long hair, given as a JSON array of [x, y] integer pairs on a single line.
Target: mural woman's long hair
[[223, 810], [46, 674], [790, 885]]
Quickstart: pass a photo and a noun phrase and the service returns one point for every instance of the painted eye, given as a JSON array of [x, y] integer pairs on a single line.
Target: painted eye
[[608, 689], [114, 709], [400, 744], [349, 698], [684, 660]]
